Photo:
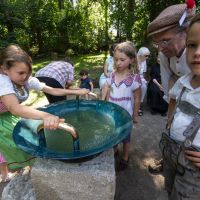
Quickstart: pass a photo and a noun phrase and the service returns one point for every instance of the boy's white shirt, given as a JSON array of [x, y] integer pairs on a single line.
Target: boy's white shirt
[[182, 120]]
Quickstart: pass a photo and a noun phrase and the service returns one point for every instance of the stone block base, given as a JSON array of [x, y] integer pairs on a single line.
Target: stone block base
[[93, 179]]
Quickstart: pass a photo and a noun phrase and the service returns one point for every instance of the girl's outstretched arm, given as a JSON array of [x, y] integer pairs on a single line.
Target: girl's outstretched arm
[[105, 90], [62, 92], [137, 97], [12, 104]]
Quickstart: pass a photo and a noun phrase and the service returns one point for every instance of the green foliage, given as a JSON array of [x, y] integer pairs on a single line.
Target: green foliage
[[85, 26], [41, 23], [92, 63], [10, 19]]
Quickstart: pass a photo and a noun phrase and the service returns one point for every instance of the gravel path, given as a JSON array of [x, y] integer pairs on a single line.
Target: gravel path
[[136, 183]]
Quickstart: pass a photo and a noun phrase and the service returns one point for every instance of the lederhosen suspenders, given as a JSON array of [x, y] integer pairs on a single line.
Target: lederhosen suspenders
[[189, 109]]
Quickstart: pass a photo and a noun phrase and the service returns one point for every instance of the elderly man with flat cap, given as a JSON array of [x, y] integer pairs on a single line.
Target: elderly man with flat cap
[[168, 32], [170, 38]]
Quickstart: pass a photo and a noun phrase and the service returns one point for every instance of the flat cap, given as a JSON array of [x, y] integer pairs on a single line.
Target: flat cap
[[168, 19]]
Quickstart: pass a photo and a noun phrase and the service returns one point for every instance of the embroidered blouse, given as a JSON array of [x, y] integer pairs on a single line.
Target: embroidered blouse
[[122, 93]]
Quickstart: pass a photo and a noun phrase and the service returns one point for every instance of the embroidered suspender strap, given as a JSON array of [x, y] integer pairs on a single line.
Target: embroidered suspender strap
[[188, 108], [191, 131]]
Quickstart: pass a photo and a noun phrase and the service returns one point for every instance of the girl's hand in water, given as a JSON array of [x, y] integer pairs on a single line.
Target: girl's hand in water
[[194, 157], [51, 121]]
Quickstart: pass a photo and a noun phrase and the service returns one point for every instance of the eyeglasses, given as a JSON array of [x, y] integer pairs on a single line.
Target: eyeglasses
[[166, 42], [163, 43]]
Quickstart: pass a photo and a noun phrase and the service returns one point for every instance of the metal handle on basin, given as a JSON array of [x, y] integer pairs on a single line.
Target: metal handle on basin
[[66, 127]]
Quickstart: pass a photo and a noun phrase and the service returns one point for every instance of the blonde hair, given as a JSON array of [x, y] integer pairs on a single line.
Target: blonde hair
[[12, 54], [128, 48]]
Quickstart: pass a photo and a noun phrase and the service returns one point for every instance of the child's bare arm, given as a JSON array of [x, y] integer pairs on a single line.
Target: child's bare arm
[[137, 97], [92, 86], [105, 90], [105, 69], [12, 104], [62, 92]]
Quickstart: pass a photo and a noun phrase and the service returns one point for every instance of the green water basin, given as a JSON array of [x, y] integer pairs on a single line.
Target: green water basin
[[99, 124]]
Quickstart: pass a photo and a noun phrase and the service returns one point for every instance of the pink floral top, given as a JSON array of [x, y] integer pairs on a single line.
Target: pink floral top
[[123, 92]]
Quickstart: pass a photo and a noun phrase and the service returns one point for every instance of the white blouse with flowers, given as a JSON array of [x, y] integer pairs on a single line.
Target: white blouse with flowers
[[122, 93]]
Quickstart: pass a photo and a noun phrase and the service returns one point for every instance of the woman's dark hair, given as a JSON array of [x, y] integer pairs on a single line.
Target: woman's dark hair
[[13, 53], [83, 73]]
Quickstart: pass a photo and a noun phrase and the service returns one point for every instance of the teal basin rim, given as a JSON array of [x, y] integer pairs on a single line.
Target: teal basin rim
[[26, 137]]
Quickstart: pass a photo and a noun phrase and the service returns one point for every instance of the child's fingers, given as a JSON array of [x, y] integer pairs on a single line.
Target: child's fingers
[[51, 122], [193, 156], [62, 120]]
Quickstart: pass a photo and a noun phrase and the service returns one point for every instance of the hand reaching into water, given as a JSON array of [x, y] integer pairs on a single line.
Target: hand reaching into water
[[51, 121]]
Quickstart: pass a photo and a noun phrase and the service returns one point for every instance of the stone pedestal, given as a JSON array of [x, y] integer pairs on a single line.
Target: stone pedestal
[[93, 179]]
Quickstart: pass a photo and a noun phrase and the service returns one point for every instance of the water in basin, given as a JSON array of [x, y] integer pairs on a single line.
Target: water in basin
[[94, 128], [100, 125]]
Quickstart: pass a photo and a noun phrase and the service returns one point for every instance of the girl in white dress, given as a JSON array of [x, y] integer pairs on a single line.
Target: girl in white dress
[[123, 87], [108, 67]]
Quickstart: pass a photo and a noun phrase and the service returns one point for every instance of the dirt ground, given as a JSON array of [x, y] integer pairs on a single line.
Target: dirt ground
[[136, 183]]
